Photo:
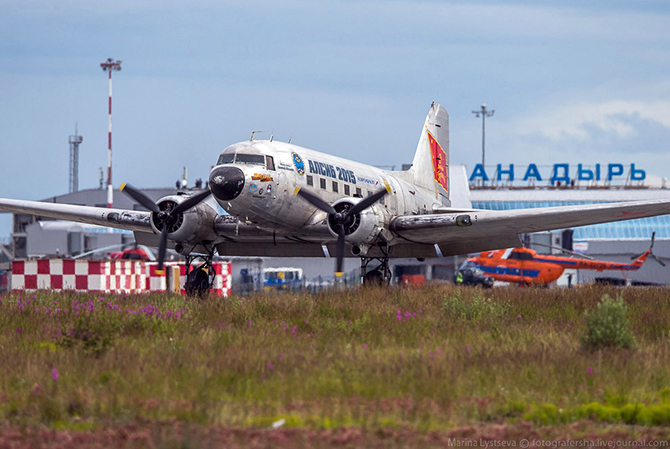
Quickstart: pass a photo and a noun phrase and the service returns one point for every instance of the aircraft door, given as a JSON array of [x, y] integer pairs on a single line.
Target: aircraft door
[[397, 198], [287, 180]]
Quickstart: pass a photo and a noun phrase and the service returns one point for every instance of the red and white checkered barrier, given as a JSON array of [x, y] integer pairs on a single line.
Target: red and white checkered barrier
[[115, 276], [158, 282], [83, 275]]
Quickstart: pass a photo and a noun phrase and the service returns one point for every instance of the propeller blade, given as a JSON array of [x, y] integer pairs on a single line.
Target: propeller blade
[[653, 237], [340, 251], [563, 250], [190, 202], [367, 202], [658, 260], [161, 248], [316, 201], [140, 197]]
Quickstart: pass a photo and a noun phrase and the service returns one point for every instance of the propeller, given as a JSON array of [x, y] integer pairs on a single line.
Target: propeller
[[651, 246], [166, 217], [339, 220]]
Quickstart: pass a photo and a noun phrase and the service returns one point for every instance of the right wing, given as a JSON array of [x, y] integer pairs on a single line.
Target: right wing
[[131, 220], [234, 237]]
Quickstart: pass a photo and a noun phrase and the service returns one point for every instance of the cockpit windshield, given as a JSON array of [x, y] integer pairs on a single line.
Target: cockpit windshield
[[254, 159], [226, 158], [468, 264], [241, 158]]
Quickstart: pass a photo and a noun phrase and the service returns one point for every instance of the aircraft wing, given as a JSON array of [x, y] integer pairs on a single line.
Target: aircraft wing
[[500, 229], [418, 233], [236, 238], [131, 220]]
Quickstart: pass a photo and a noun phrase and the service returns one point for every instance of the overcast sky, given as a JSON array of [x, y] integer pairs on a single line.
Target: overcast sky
[[571, 82]]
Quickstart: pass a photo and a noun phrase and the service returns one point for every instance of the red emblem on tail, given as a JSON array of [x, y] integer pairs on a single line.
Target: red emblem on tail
[[439, 162]]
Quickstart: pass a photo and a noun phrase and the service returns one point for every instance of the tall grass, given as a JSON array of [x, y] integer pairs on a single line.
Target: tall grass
[[429, 358]]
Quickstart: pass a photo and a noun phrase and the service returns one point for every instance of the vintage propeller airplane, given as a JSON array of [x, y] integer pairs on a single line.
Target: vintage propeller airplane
[[285, 200], [525, 266]]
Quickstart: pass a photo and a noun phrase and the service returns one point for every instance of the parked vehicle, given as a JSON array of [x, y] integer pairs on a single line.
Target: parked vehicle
[[283, 278]]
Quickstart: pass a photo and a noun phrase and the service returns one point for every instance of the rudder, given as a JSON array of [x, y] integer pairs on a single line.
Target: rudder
[[430, 166]]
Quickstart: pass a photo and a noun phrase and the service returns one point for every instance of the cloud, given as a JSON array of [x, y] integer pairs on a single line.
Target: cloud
[[585, 121]]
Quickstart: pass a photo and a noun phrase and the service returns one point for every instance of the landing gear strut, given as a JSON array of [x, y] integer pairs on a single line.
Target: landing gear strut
[[380, 275], [199, 280]]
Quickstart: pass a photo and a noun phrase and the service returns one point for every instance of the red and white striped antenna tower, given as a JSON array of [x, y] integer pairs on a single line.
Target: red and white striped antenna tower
[[109, 66]]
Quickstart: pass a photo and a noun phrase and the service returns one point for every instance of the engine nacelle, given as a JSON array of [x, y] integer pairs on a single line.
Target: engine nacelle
[[193, 226], [361, 230]]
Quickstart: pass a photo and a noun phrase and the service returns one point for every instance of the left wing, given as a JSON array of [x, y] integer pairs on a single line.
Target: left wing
[[500, 229]]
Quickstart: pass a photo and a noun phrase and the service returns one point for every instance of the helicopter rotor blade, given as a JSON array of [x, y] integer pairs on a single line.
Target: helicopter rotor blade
[[658, 259], [567, 251]]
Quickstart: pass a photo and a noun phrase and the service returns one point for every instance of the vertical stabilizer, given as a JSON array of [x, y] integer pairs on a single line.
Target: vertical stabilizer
[[430, 166]]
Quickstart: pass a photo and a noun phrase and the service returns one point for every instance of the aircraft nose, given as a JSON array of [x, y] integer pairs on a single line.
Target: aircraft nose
[[226, 183]]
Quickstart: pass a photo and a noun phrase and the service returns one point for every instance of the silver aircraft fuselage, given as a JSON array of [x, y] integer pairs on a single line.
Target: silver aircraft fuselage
[[273, 170]]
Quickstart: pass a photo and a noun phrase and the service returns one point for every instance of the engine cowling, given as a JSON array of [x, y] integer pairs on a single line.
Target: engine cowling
[[192, 226], [361, 230]]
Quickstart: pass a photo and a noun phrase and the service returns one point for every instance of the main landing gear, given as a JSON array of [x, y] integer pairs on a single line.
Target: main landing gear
[[381, 274], [199, 280]]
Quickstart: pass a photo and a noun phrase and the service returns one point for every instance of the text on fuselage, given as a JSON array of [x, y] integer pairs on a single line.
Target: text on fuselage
[[332, 171]]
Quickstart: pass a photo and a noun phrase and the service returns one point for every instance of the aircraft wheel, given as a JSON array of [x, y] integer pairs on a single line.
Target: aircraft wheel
[[197, 283], [374, 277]]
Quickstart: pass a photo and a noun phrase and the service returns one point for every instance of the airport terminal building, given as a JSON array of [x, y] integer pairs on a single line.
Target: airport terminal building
[[506, 187]]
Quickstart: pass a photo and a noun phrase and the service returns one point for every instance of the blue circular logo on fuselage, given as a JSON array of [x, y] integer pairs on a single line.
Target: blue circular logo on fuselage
[[298, 163]]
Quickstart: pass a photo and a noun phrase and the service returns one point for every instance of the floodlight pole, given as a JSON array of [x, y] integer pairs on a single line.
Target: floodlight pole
[[109, 66], [484, 113]]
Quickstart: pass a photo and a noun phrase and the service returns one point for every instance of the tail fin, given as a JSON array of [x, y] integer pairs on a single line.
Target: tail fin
[[430, 166], [641, 259]]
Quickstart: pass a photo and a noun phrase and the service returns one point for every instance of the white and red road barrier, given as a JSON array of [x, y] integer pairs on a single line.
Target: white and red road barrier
[[81, 275], [110, 276]]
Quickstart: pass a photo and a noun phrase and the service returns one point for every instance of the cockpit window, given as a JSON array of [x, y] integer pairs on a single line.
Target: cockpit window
[[255, 159], [240, 158], [468, 264], [226, 158]]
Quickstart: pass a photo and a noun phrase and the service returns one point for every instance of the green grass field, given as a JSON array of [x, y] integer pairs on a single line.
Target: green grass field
[[388, 367]]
